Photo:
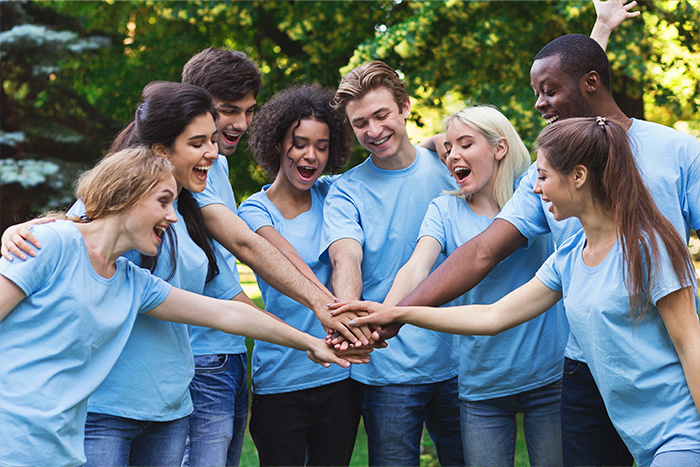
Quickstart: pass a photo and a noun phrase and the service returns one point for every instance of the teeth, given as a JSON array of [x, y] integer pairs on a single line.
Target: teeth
[[231, 136], [159, 230], [379, 142], [462, 172], [203, 168], [552, 119]]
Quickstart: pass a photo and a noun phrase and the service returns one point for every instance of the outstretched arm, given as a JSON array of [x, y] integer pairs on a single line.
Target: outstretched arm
[[678, 313], [609, 15], [269, 264], [519, 306], [236, 317]]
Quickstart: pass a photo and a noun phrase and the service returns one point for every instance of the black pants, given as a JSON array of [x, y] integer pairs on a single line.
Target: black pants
[[316, 426]]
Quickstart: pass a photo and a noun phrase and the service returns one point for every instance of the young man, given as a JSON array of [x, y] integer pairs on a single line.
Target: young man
[[372, 218], [571, 78], [219, 389]]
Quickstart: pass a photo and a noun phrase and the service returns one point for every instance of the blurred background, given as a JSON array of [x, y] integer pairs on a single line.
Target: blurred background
[[72, 72]]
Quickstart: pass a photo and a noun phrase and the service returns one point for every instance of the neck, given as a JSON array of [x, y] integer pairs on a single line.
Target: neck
[[601, 234], [483, 203], [104, 243], [608, 108], [290, 200]]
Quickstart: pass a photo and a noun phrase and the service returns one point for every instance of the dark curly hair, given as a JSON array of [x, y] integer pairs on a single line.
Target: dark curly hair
[[286, 110]]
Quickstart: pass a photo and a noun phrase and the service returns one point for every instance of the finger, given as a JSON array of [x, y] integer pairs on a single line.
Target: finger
[[31, 238], [16, 251], [6, 254], [348, 334]]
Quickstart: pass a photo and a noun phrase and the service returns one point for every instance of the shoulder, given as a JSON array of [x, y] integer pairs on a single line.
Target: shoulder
[[661, 134], [256, 204]]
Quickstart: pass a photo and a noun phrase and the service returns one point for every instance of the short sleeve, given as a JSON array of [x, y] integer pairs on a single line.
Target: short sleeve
[[549, 275], [691, 207], [341, 218], [30, 274], [216, 192], [433, 225], [664, 278], [255, 213], [154, 290], [524, 209]]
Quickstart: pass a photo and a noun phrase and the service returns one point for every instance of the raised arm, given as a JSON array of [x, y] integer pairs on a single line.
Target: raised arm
[[467, 265], [678, 313], [416, 269], [609, 15], [519, 306], [436, 144], [236, 317]]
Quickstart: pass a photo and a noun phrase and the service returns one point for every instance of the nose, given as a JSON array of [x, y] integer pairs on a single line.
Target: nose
[[170, 215], [537, 189], [310, 155], [373, 128], [540, 102], [212, 151], [241, 121]]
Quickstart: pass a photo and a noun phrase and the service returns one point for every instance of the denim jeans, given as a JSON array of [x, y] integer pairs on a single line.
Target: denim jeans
[[689, 458], [394, 417], [588, 435], [118, 441], [219, 393], [315, 426], [489, 428]]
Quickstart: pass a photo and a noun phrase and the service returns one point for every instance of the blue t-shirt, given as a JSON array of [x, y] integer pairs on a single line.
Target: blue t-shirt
[[669, 162], [276, 368], [634, 365], [60, 342], [206, 341], [526, 357], [150, 380], [383, 211]]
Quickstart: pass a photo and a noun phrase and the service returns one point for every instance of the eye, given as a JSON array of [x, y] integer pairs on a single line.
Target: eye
[[322, 148], [383, 116], [250, 111], [466, 145], [360, 124], [541, 178]]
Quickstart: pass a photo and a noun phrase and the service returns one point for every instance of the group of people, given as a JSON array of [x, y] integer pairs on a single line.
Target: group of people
[[568, 280]]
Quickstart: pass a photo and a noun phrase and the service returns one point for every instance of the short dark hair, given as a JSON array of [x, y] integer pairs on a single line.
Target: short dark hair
[[285, 110], [578, 55], [227, 74]]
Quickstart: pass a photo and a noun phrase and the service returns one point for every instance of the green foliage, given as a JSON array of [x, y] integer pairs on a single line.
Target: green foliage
[[73, 71]]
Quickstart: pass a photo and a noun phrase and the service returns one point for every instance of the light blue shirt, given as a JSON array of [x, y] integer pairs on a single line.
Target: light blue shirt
[[150, 380], [276, 368], [60, 342], [669, 162], [383, 211], [526, 357], [206, 341], [634, 365]]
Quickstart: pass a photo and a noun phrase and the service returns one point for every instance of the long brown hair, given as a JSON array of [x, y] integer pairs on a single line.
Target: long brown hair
[[602, 147]]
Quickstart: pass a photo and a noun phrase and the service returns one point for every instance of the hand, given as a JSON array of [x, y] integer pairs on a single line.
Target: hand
[[378, 313], [18, 240], [612, 13], [319, 352], [357, 335]]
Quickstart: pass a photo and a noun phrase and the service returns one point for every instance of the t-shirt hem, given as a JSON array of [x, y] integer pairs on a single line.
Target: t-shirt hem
[[406, 380], [310, 385], [513, 391]]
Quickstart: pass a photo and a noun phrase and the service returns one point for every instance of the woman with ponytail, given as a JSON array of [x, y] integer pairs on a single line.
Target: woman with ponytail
[[628, 287]]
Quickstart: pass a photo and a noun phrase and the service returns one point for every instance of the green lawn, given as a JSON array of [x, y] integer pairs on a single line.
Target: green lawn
[[249, 457]]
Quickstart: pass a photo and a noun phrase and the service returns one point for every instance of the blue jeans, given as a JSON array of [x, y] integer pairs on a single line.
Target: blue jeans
[[394, 417], [588, 435], [489, 428], [689, 458], [219, 393], [117, 441]]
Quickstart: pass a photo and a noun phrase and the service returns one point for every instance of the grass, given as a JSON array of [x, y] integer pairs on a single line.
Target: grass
[[428, 458]]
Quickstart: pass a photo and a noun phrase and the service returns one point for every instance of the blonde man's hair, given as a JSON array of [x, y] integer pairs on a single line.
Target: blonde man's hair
[[121, 180], [491, 123], [366, 78]]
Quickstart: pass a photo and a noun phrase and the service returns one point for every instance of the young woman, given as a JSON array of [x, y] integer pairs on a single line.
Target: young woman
[[521, 369], [67, 312], [628, 287], [299, 415]]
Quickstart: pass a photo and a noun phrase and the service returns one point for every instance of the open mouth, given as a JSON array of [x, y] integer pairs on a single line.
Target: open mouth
[[379, 142], [462, 172], [159, 231], [201, 171], [306, 172], [230, 138], [551, 120]]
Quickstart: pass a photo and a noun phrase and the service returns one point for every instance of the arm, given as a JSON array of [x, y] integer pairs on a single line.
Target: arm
[[18, 240], [270, 265], [346, 257], [609, 15], [677, 311], [10, 296], [436, 144], [416, 269], [470, 262], [236, 317]]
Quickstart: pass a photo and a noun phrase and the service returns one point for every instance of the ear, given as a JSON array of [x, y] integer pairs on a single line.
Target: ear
[[406, 108], [501, 149], [160, 150], [590, 82], [580, 174]]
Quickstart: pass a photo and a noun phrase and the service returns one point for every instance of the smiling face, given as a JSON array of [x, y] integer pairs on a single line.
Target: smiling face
[[379, 123], [472, 159], [234, 119], [556, 188], [304, 153], [558, 95], [193, 153], [145, 224]]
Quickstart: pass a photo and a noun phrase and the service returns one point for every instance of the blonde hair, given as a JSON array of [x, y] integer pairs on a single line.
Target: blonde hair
[[491, 123], [366, 78], [121, 180]]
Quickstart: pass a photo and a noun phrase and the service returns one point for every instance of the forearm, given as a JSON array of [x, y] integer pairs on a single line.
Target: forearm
[[406, 280], [601, 34], [346, 278]]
